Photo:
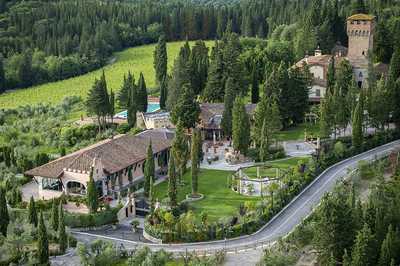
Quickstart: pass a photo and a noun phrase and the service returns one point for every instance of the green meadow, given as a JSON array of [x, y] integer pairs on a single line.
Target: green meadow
[[136, 59]]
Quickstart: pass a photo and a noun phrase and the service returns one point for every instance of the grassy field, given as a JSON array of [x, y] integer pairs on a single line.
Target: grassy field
[[281, 164], [297, 133], [136, 59], [219, 201]]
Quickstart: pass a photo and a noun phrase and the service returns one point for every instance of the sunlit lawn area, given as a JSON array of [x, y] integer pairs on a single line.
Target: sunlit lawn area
[[136, 59], [271, 172], [297, 133], [219, 201]]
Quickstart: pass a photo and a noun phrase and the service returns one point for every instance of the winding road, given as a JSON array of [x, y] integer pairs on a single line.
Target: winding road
[[283, 223]]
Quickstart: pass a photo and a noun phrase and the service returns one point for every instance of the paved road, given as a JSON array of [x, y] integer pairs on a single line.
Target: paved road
[[284, 222]]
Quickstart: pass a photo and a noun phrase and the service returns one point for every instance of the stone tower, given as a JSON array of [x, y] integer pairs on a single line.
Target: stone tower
[[360, 30]]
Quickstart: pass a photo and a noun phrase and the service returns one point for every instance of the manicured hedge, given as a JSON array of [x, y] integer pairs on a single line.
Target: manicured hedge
[[91, 220]]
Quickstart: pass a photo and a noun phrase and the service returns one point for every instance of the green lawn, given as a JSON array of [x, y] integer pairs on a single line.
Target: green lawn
[[136, 59], [297, 133], [281, 164], [219, 201]]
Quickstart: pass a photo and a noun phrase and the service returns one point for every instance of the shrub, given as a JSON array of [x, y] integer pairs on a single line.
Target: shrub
[[91, 220]]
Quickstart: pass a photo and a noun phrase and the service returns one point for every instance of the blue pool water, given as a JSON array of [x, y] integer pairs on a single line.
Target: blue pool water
[[151, 107]]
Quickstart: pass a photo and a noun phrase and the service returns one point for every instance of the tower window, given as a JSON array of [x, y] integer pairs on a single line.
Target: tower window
[[363, 53], [361, 74]]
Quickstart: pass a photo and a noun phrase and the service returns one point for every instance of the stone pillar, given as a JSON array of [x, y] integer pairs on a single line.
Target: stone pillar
[[258, 171]]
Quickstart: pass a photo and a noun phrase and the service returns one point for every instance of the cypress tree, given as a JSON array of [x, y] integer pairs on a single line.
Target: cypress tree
[[363, 250], [172, 186], [393, 85], [214, 89], [359, 7], [2, 76], [357, 125], [32, 212], [186, 110], [124, 93], [149, 172], [161, 60], [240, 127], [163, 93], [195, 160], [43, 243], [331, 75], [91, 194], [132, 101], [255, 94], [229, 98], [62, 235], [180, 150], [112, 106], [199, 66], [141, 94], [181, 76], [4, 217], [54, 215], [390, 248]]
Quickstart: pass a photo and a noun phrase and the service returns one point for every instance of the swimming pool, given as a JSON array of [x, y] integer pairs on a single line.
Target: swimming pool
[[151, 107]]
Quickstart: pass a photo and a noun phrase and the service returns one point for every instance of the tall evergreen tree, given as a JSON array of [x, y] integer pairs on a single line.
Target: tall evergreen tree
[[132, 107], [364, 248], [229, 98], [123, 95], [180, 76], [161, 60], [91, 194], [393, 86], [43, 242], [172, 186], [195, 160], [54, 215], [149, 171], [112, 105], [240, 126], [331, 75], [390, 248], [180, 150], [98, 100], [186, 110], [359, 7], [141, 94], [383, 49], [357, 125], [267, 121], [335, 225], [163, 93], [2, 76], [199, 66], [4, 217], [62, 235], [32, 212], [214, 89], [255, 86]]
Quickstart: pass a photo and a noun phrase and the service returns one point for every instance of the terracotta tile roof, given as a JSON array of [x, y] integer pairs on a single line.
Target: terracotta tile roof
[[361, 17], [115, 154]]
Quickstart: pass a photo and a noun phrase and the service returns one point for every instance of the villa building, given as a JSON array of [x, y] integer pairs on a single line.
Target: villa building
[[360, 30], [211, 117], [118, 164], [155, 120]]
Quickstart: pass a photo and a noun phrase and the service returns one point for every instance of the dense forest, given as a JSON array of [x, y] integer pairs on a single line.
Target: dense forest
[[42, 41]]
